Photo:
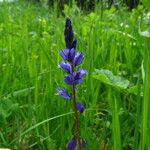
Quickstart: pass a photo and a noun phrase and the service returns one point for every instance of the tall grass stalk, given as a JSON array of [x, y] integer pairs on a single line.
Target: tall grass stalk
[[146, 101], [115, 120]]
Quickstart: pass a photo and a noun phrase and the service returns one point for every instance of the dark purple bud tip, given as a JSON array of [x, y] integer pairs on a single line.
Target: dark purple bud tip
[[68, 33], [62, 92], [72, 144], [68, 21], [65, 67], [80, 107]]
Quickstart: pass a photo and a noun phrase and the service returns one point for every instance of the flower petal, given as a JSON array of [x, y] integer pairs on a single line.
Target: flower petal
[[77, 76], [68, 80], [68, 54], [78, 81], [80, 107], [71, 55], [62, 92], [72, 144], [81, 72], [64, 53], [78, 59], [65, 67], [74, 43]]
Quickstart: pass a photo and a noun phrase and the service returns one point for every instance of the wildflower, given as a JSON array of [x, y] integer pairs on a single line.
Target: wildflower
[[62, 92], [78, 59], [74, 77], [65, 67], [72, 144], [68, 54], [80, 107]]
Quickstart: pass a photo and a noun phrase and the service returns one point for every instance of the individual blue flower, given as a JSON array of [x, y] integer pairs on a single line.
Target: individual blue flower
[[72, 144], [77, 76], [68, 54], [64, 53], [78, 59], [68, 79], [81, 72], [80, 107], [65, 67], [62, 92]]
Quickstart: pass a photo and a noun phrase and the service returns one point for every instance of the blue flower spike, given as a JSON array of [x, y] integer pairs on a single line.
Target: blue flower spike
[[74, 77]]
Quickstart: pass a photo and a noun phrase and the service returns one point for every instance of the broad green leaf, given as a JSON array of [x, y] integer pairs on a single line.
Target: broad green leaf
[[107, 77]]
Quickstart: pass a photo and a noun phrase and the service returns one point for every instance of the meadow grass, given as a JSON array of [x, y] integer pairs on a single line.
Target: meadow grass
[[32, 116]]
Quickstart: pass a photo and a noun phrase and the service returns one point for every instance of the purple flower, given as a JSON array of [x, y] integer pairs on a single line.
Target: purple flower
[[81, 72], [65, 67], [80, 107], [68, 54], [62, 92], [68, 79], [64, 53], [78, 59], [72, 144], [78, 76], [75, 78]]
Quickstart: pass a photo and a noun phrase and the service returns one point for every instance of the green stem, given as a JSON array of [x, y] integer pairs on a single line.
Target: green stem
[[76, 121]]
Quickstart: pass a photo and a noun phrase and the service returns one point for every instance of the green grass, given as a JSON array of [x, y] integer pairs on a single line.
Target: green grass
[[32, 116]]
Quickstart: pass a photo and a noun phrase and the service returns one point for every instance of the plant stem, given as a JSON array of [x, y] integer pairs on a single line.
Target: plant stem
[[76, 121]]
